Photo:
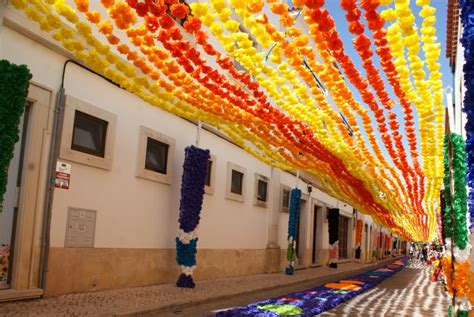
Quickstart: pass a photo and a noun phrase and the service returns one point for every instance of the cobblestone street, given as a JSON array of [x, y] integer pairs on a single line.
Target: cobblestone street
[[408, 293]]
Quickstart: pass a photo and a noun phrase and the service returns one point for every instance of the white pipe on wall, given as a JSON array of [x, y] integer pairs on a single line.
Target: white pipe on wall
[[449, 105]]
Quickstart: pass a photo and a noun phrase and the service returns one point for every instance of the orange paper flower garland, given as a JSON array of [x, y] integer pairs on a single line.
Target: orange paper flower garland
[[215, 88], [139, 63], [243, 43], [320, 21], [297, 61], [294, 50], [375, 24], [362, 44], [65, 36], [172, 41]]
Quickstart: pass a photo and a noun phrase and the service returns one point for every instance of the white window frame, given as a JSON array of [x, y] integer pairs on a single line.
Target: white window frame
[[228, 194], [210, 189], [285, 209], [257, 202], [67, 153], [142, 172]]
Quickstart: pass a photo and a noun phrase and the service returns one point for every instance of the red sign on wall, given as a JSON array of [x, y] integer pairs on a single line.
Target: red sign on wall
[[63, 175]]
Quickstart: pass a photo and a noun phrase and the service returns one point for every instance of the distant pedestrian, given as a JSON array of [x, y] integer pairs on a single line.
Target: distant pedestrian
[[424, 252]]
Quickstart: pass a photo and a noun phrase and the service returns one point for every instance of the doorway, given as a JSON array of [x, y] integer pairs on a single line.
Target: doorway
[[315, 246], [9, 214], [300, 233], [371, 245], [366, 247], [343, 235], [22, 218]]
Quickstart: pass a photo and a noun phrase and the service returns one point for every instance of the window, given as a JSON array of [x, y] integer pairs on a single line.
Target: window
[[155, 156], [88, 134], [235, 187], [285, 198], [261, 190], [211, 172], [236, 183]]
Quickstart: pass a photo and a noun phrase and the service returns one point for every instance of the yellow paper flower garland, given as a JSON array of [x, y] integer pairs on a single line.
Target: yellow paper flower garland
[[428, 102]]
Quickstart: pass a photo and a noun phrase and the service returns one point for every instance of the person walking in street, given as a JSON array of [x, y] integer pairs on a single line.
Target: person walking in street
[[424, 253]]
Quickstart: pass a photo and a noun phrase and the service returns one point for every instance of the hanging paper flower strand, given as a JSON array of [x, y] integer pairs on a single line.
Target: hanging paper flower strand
[[295, 205], [192, 192]]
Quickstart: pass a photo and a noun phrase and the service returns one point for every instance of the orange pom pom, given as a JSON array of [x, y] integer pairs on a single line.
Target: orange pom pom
[[82, 5], [299, 3], [192, 24], [286, 20], [279, 8], [255, 6], [314, 4], [179, 11], [93, 17], [123, 49], [107, 3], [105, 27], [113, 39]]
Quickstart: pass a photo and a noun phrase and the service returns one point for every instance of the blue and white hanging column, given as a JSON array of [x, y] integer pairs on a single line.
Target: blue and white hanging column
[[295, 206], [192, 194]]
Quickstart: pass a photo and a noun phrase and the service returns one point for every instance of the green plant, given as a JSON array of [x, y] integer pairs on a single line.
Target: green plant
[[14, 83]]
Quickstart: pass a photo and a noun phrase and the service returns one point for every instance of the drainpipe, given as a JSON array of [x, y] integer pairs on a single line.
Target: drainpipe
[[53, 157]]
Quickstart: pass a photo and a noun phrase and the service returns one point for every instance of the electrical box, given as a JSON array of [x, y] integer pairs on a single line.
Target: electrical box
[[80, 228]]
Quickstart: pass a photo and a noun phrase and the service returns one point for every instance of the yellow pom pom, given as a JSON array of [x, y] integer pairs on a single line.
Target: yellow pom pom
[[427, 11], [422, 2], [218, 5], [231, 26], [237, 4], [199, 9], [208, 20], [225, 14], [388, 15]]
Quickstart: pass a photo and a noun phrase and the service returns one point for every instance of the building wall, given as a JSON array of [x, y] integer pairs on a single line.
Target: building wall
[[137, 219]]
